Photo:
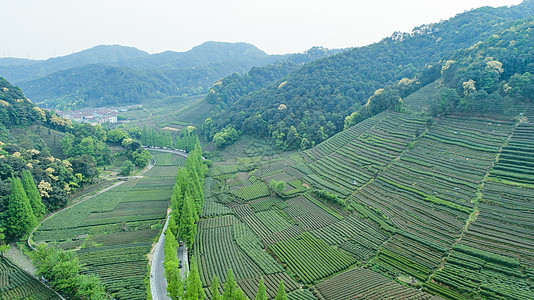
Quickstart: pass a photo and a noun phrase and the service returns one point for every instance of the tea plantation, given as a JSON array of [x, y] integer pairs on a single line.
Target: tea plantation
[[398, 206], [114, 231]]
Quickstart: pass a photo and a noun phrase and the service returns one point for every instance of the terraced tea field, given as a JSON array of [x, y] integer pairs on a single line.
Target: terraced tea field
[[114, 231], [16, 284], [440, 204]]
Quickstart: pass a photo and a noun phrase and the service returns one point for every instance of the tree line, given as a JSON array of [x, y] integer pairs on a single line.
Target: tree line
[[186, 203], [185, 140], [187, 200]]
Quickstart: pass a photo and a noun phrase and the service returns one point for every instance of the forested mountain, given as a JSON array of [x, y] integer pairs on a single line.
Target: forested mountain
[[96, 85], [229, 89], [312, 102], [201, 55], [107, 54], [493, 76], [141, 77]]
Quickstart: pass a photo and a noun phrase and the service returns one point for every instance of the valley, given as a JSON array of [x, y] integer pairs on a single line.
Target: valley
[[403, 169]]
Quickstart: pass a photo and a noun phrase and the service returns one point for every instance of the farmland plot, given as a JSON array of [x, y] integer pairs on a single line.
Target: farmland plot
[[114, 231], [16, 284]]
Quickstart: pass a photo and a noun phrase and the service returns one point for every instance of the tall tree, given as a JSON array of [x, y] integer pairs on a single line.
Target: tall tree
[[239, 294], [187, 227], [230, 286], [177, 199], [262, 293], [33, 194], [20, 218], [175, 287], [194, 285], [214, 288], [281, 294]]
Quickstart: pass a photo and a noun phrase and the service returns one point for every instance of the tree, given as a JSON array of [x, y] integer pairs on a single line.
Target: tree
[[176, 206], [33, 194], [230, 286], [127, 168], [214, 288], [281, 294], [194, 285], [116, 136], [277, 186], [239, 294], [304, 144], [67, 144], [187, 227], [175, 287], [84, 165], [89, 287], [262, 293], [141, 157], [144, 136], [62, 269], [20, 218], [65, 269]]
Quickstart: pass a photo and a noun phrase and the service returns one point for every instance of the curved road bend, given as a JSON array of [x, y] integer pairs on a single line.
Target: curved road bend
[[158, 282]]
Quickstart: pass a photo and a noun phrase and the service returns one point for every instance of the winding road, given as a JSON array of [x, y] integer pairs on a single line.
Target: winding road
[[158, 283]]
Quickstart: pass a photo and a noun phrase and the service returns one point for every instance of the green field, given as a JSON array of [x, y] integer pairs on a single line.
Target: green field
[[417, 196], [171, 113], [423, 208], [114, 231]]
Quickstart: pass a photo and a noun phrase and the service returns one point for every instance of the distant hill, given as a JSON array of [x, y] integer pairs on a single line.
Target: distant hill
[[201, 55], [12, 61], [133, 80], [313, 101], [108, 54], [95, 85], [231, 88]]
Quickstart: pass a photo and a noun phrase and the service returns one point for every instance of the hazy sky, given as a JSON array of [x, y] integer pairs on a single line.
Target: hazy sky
[[40, 29]]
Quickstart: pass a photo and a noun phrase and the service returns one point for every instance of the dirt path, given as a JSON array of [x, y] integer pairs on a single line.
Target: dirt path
[[21, 260]]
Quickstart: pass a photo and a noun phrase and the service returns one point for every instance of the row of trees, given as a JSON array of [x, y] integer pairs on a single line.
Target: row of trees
[[190, 288], [186, 203], [178, 287], [188, 196], [231, 291], [185, 140]]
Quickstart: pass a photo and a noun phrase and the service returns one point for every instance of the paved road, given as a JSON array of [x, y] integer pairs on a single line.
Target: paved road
[[158, 282], [177, 151]]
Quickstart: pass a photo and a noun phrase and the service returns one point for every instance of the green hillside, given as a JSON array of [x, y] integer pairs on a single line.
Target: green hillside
[[93, 81], [408, 198], [313, 101], [95, 85]]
